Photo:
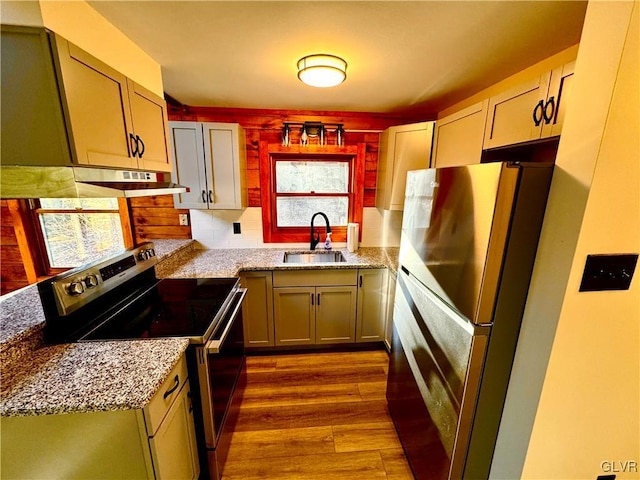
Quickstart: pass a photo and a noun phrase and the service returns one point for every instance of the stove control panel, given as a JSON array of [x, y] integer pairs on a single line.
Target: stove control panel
[[79, 286]]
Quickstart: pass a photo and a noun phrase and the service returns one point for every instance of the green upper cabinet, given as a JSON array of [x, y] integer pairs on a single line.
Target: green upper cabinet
[[210, 159], [402, 148], [457, 139], [98, 115], [530, 111]]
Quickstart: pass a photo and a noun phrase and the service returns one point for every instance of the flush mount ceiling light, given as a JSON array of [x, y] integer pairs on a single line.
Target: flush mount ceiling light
[[322, 70]]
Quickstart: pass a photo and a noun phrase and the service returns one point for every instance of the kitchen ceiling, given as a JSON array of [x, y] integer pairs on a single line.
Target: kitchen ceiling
[[417, 56]]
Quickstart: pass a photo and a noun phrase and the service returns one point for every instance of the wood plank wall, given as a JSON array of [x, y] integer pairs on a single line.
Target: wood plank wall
[[265, 125], [12, 271], [156, 217]]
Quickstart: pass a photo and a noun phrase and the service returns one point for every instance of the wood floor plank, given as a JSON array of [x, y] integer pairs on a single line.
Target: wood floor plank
[[278, 395], [318, 376], [365, 436], [373, 390], [335, 466], [354, 359], [310, 415], [261, 363], [280, 443], [395, 464]]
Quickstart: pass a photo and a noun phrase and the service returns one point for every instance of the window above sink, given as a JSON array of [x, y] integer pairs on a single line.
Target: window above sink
[[297, 181]]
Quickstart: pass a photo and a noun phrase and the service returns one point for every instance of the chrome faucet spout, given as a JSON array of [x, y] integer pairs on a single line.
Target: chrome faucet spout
[[315, 239]]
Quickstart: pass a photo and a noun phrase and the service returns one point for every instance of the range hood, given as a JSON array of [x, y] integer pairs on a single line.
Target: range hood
[[82, 182]]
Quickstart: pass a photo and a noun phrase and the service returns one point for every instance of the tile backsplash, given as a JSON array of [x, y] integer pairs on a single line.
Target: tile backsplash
[[214, 229]]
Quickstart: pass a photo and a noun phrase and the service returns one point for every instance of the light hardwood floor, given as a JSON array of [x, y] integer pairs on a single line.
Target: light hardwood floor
[[316, 416]]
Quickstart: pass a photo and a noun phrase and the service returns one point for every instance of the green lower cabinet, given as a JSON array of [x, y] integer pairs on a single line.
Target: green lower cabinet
[[294, 315], [372, 304], [335, 314], [257, 309], [315, 307]]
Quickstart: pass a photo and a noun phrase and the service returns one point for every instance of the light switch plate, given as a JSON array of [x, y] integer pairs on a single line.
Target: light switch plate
[[608, 272]]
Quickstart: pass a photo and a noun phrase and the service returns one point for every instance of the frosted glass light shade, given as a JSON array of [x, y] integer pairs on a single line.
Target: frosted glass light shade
[[322, 70]]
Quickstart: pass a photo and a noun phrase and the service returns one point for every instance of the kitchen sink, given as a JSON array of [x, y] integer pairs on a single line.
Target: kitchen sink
[[313, 257]]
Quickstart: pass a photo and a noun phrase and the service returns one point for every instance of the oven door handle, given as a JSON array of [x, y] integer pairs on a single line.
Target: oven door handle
[[214, 345]]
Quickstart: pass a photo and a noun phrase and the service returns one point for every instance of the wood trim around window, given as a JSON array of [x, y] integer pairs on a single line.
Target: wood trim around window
[[26, 237], [268, 152]]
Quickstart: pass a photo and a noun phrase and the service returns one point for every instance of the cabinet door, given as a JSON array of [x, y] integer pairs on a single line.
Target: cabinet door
[[188, 164], [372, 305], [510, 117], [257, 309], [559, 93], [294, 315], [388, 328], [458, 137], [149, 115], [223, 155], [97, 108], [402, 148], [335, 314], [173, 447]]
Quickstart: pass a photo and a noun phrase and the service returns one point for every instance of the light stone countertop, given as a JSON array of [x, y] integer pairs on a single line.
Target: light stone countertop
[[89, 377], [230, 262], [99, 376]]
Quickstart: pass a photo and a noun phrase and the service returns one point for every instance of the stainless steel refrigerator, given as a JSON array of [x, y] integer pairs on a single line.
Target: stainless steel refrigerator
[[468, 244]]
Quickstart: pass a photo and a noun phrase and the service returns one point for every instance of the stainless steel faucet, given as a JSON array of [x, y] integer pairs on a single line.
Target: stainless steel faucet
[[316, 240]]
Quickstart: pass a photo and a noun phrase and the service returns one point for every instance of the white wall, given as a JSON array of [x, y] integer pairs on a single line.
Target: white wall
[[80, 24], [214, 229], [574, 398]]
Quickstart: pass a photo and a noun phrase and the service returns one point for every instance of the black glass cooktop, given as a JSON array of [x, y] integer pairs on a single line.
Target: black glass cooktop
[[172, 308]]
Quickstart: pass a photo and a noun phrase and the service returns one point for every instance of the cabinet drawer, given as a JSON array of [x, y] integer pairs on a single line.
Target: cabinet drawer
[[159, 405], [313, 278]]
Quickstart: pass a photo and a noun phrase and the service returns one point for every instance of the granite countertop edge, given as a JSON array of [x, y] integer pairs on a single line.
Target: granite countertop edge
[[89, 377]]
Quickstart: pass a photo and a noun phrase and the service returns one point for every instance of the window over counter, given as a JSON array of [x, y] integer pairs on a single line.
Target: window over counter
[[77, 231], [298, 181]]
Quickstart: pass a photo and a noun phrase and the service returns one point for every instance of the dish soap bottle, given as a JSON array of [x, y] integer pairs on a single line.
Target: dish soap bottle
[[327, 242]]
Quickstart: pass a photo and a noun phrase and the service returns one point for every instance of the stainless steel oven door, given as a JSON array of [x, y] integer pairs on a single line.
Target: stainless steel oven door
[[220, 362]]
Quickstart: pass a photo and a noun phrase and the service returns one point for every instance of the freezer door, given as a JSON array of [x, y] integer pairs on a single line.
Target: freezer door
[[434, 373], [454, 231]]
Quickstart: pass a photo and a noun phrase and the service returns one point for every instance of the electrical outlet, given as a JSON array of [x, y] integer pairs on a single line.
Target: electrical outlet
[[184, 219], [236, 228]]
